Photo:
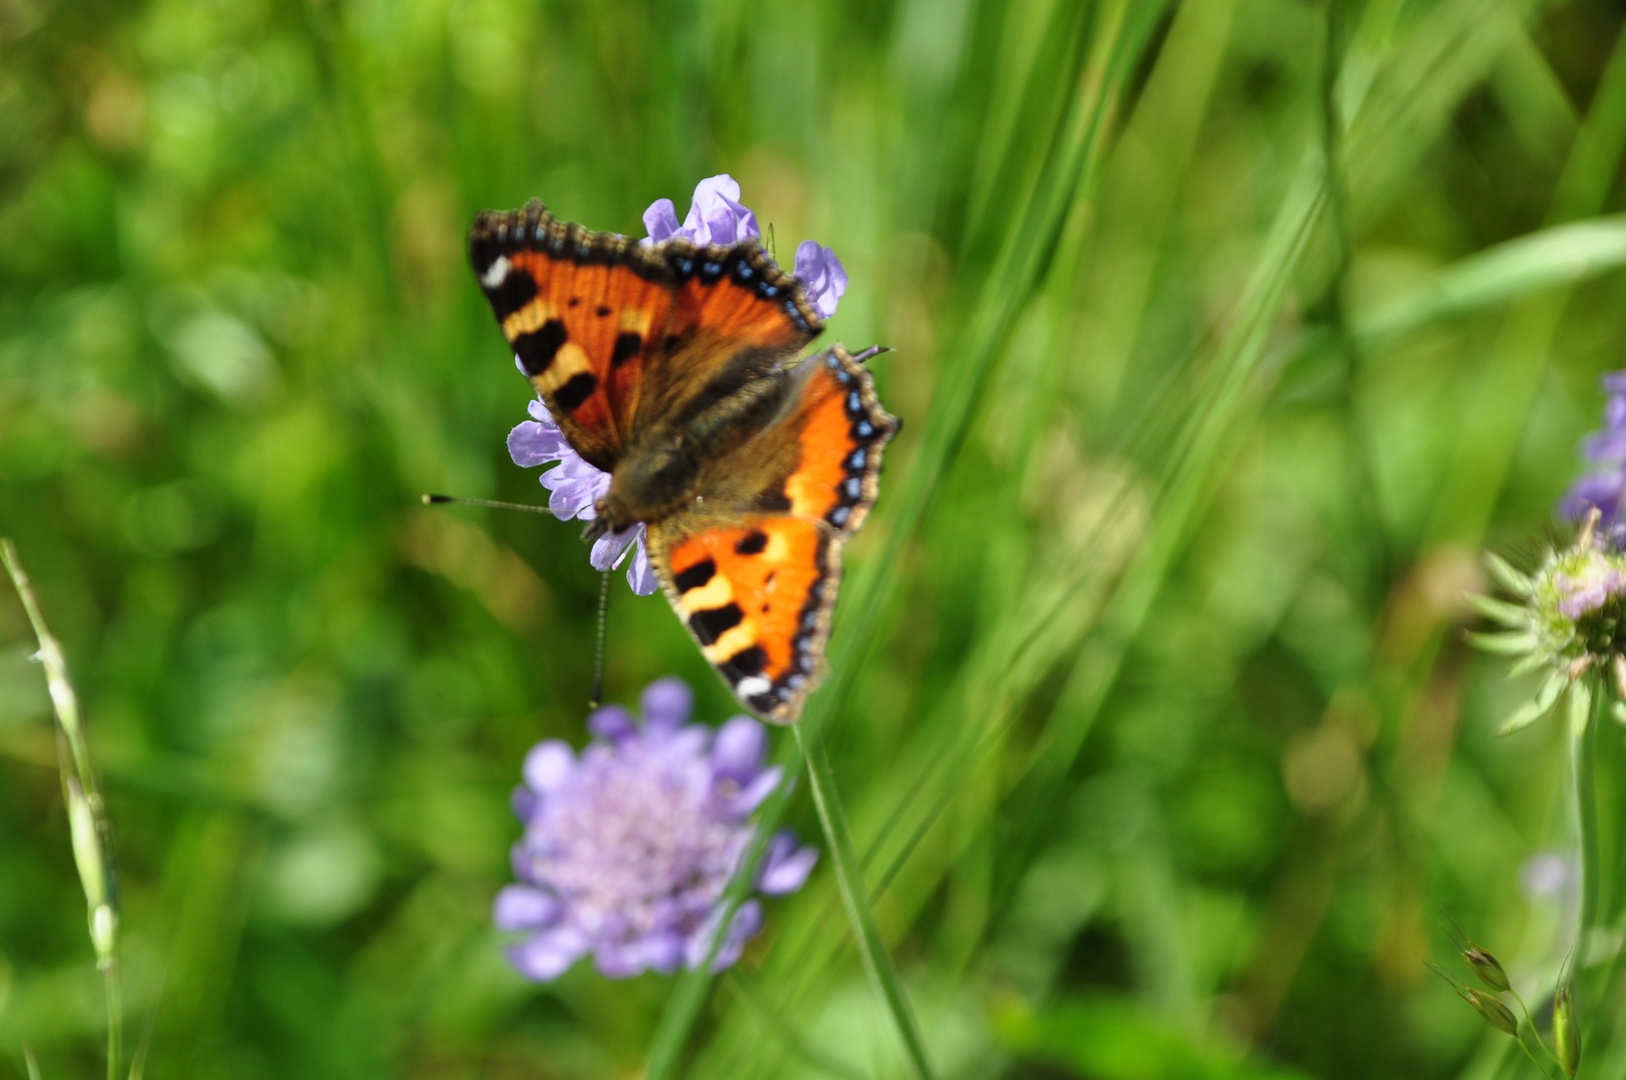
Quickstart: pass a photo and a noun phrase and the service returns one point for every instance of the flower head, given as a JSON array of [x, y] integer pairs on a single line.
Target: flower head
[[575, 486], [1605, 488], [1566, 617], [822, 275], [629, 845], [716, 216]]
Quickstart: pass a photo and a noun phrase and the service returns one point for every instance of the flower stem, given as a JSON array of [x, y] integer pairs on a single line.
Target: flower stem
[[855, 898], [1533, 1029], [1533, 1059], [1582, 745]]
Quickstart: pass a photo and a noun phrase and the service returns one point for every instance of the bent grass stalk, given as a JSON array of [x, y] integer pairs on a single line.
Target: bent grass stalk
[[850, 877], [87, 818]]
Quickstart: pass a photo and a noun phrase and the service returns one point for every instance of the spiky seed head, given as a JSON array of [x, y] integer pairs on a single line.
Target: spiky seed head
[[1485, 966], [1491, 1008], [1566, 1031]]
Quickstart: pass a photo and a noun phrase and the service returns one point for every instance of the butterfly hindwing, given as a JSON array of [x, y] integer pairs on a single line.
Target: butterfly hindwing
[[841, 431], [609, 331], [756, 594], [753, 568]]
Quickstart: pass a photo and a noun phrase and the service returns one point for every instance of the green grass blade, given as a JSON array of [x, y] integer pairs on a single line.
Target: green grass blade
[[1562, 255], [855, 898]]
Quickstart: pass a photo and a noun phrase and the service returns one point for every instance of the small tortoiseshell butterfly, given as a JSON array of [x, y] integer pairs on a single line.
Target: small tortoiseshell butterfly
[[674, 367]]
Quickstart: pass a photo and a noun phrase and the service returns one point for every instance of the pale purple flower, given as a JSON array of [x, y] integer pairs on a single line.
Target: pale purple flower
[[575, 486], [1604, 488], [821, 275], [716, 216], [629, 845], [1595, 585]]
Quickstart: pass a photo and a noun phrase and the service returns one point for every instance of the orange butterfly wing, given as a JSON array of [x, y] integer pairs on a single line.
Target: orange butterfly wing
[[601, 323], [754, 568]]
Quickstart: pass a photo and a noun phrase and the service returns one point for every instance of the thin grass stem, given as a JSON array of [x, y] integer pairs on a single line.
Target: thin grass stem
[[87, 819], [850, 879]]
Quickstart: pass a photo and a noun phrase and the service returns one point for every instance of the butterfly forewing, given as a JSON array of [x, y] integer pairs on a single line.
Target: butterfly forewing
[[597, 320]]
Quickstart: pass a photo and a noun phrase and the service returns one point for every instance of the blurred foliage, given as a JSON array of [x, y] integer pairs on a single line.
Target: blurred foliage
[[1225, 332]]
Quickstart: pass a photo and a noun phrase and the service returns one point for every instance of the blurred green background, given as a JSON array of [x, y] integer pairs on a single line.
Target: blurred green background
[[1152, 714]]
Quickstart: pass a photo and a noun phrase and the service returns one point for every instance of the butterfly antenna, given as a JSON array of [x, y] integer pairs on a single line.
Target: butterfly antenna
[[597, 697], [491, 504], [872, 351]]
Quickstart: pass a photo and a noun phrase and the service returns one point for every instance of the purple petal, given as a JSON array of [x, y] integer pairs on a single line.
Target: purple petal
[[666, 704], [531, 444], [1604, 491], [661, 220], [822, 276], [547, 765], [640, 575], [611, 722], [715, 214], [1614, 382], [549, 954], [751, 796], [686, 745], [785, 866], [1614, 411], [746, 924], [524, 802], [576, 487], [741, 745], [1606, 446], [607, 549], [615, 960], [520, 907], [663, 951]]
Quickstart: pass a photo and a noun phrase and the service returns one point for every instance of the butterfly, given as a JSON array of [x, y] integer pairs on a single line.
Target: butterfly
[[677, 369]]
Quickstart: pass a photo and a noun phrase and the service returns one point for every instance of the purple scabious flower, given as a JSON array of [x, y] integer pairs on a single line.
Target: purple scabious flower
[[575, 487], [1604, 488], [629, 845], [716, 216]]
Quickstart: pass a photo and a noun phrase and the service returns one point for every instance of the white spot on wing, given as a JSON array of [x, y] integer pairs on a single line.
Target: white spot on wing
[[495, 273], [752, 685]]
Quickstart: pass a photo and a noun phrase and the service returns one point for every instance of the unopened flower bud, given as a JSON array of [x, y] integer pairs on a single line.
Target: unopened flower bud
[[1491, 1008], [1485, 966], [1566, 1031]]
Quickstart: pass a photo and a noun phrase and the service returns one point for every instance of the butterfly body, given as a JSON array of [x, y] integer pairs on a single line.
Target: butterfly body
[[674, 367]]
